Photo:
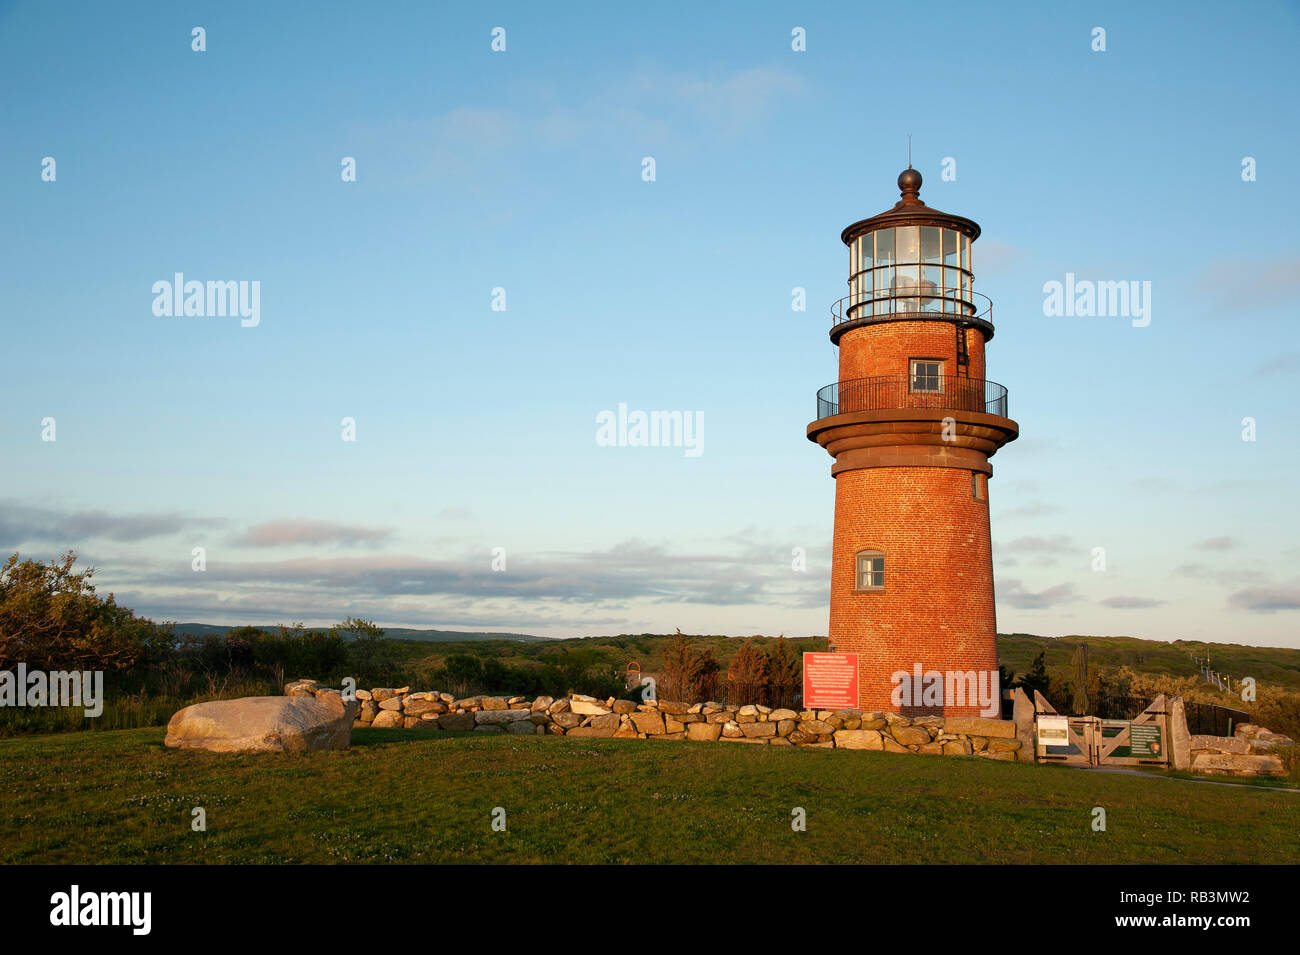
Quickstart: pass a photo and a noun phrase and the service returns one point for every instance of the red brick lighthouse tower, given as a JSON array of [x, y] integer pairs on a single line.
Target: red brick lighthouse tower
[[911, 424]]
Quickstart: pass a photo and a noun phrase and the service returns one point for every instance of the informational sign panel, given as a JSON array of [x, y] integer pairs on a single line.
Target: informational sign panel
[[1144, 740], [1053, 731], [830, 681]]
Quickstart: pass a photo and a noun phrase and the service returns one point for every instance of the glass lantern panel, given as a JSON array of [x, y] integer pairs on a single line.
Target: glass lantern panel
[[949, 247], [952, 290], [905, 287], [965, 255], [884, 285], [884, 247], [908, 244], [929, 245], [932, 282]]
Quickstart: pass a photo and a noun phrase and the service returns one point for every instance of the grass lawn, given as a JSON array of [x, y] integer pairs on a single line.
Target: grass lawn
[[408, 796]]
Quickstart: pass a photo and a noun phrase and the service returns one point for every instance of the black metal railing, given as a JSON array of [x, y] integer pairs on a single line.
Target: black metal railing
[[923, 300], [1110, 707], [722, 691], [1210, 719], [887, 392], [1203, 719]]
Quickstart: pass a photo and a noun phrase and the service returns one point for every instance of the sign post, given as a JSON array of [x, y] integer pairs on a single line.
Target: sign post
[[1144, 740], [1053, 731], [830, 681]]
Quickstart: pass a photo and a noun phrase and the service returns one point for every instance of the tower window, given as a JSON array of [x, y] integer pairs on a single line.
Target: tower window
[[871, 571], [975, 490], [927, 376]]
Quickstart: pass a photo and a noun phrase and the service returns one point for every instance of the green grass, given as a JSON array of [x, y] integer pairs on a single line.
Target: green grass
[[407, 796]]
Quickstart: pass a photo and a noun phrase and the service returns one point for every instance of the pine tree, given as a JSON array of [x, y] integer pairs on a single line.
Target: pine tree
[[747, 673], [784, 673], [1036, 678], [675, 674]]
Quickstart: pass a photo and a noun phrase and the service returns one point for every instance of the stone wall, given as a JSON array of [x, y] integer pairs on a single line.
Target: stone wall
[[1251, 751], [587, 717]]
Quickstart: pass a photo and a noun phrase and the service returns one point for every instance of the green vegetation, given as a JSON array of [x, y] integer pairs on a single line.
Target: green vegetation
[[1278, 665], [404, 796], [51, 618], [395, 633]]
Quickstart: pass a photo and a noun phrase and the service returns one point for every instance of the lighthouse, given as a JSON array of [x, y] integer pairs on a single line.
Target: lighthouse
[[911, 424]]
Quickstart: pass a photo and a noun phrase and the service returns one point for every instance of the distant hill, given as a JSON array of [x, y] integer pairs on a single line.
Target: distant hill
[[391, 633], [1280, 665]]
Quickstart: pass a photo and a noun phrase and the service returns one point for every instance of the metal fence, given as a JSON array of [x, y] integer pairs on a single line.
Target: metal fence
[[775, 695], [892, 392], [1210, 719], [1203, 719], [1110, 707]]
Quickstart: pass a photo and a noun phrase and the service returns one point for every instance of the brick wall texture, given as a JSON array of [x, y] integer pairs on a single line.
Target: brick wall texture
[[886, 349], [937, 605]]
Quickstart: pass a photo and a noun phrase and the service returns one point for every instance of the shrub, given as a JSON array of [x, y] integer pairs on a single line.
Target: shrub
[[51, 619]]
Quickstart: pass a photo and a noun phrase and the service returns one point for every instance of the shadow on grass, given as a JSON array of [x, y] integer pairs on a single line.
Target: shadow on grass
[[373, 737]]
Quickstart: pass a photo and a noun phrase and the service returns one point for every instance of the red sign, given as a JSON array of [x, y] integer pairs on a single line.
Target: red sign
[[830, 681]]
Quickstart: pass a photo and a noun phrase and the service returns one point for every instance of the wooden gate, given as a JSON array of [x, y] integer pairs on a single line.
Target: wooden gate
[[1093, 741]]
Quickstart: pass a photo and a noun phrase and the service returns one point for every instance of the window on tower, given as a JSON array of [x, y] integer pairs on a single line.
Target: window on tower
[[871, 571], [927, 376]]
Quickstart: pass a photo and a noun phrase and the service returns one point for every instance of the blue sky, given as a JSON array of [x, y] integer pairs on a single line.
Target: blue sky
[[522, 170]]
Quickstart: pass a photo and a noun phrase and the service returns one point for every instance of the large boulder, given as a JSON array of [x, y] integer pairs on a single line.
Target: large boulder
[[456, 722], [420, 707], [652, 722], [910, 735], [1235, 765], [498, 717], [587, 706], [1237, 745], [859, 739], [708, 732], [603, 726], [979, 726], [267, 724]]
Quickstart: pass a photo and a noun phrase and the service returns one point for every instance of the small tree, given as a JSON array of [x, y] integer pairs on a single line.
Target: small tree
[[1036, 678], [676, 673], [747, 673], [704, 686], [688, 675], [371, 655], [462, 673], [784, 673]]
